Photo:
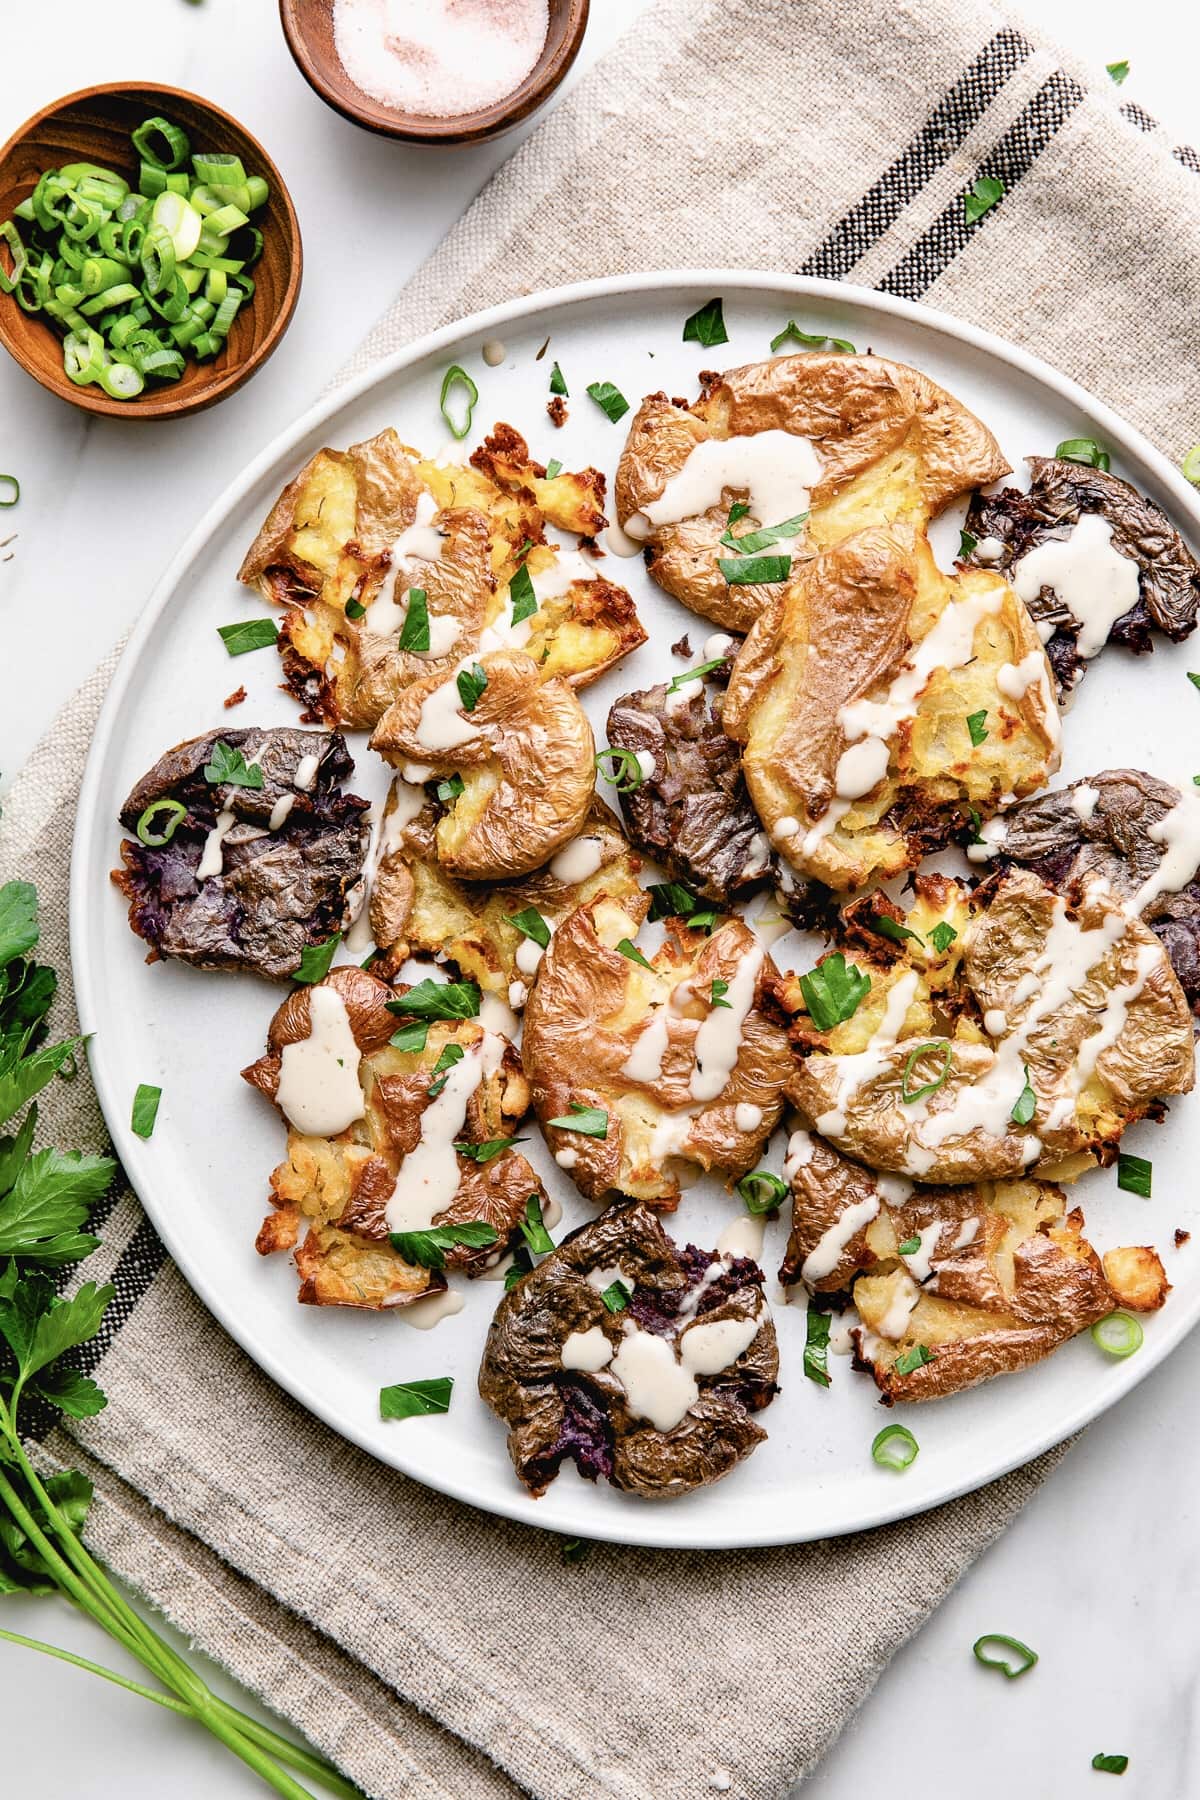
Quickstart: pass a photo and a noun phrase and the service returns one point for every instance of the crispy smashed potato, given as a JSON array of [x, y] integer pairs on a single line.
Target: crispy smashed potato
[[1046, 1026], [416, 906], [523, 749], [853, 694], [677, 1077], [888, 445], [956, 1284], [341, 1186], [360, 530]]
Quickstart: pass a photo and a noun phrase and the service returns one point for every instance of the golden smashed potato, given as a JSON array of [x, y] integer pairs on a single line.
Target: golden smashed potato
[[339, 1185], [886, 444], [672, 1075], [1040, 1031], [881, 703], [521, 746], [359, 533], [952, 1285], [416, 906]]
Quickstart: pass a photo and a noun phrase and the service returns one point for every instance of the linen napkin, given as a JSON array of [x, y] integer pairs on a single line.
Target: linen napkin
[[429, 1649]]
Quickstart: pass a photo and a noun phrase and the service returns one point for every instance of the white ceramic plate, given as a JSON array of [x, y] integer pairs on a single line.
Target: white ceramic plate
[[203, 1176]]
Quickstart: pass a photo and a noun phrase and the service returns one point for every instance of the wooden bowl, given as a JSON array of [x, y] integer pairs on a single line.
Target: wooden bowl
[[308, 27], [94, 126]]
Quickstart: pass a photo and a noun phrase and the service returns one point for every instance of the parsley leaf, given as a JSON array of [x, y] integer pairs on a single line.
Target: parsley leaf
[[438, 1000], [229, 768], [145, 1110], [671, 900], [985, 192], [471, 683], [520, 592], [491, 1147], [609, 399], [413, 1038], [942, 936], [530, 924], [39, 1326], [558, 384], [630, 949], [1110, 1765], [888, 927], [743, 570], [1134, 1174], [719, 991], [533, 1228], [966, 543], [1026, 1103], [412, 1399], [809, 340], [910, 1246], [707, 326], [355, 610], [414, 633], [522, 1262], [590, 1121], [1118, 70], [816, 1346], [916, 1358], [18, 920], [977, 726], [616, 1296], [440, 1073], [765, 536], [834, 991], [427, 1249], [315, 959], [248, 634]]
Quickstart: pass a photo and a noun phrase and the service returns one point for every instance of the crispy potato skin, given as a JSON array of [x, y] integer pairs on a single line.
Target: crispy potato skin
[[417, 906], [339, 1187], [893, 445], [529, 773], [570, 502], [1012, 918], [842, 632], [1136, 1276], [590, 1005]]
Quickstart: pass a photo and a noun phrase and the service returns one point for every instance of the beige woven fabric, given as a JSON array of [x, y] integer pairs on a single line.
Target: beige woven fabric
[[430, 1649]]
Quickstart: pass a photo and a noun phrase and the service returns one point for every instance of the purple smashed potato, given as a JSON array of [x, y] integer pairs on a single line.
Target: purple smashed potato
[[555, 1414], [283, 860]]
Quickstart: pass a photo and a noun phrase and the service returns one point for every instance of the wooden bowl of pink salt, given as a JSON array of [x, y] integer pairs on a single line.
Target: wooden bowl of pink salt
[[434, 71]]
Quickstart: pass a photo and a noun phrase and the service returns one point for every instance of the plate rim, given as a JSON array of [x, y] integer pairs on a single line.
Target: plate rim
[[649, 1528]]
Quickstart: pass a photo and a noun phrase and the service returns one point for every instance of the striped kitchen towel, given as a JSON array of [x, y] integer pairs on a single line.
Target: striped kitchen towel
[[431, 1650]]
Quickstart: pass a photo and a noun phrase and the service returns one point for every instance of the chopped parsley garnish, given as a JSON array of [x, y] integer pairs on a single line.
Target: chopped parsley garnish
[[765, 537], [620, 768], [145, 1109], [315, 959], [609, 399], [616, 1297], [630, 949], [742, 571], [440, 1074], [522, 596], [697, 674], [427, 1249], [984, 194], [521, 1264], [1133, 1174], [707, 326], [355, 610], [942, 936], [250, 634], [533, 1228], [977, 726], [809, 340], [916, 1358], [558, 385], [450, 789], [910, 1246], [553, 468], [590, 1121], [719, 991], [1026, 1104], [1194, 679], [888, 927], [491, 1147], [412, 1399], [1118, 71], [575, 1550], [1086, 451], [834, 991], [671, 900], [414, 634], [1008, 1654], [229, 768], [471, 683], [816, 1346], [966, 543], [1110, 1765], [941, 1047], [412, 1039], [762, 1191], [530, 924], [438, 1000], [738, 510]]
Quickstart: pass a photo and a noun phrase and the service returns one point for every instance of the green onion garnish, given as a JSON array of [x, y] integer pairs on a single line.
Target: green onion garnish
[[558, 386], [717, 997], [743, 570], [916, 1358], [590, 1121], [174, 812], [412, 1399], [888, 927], [522, 596], [412, 1039], [530, 924], [910, 1246], [229, 768], [816, 1346], [533, 1228], [471, 683], [574, 1550], [145, 1110], [707, 326], [811, 340], [1190, 467], [355, 610], [1118, 1335], [985, 192], [414, 633], [1086, 451], [624, 771], [438, 1000], [159, 142], [456, 377], [629, 949], [762, 1191], [250, 634], [553, 468], [697, 674], [616, 1297], [609, 399], [1026, 1103], [491, 1147], [451, 788], [1133, 1174], [834, 991], [966, 543], [1110, 1765], [977, 726], [928, 1087], [942, 936], [440, 1073], [315, 959], [995, 1650], [427, 1249], [1118, 71], [895, 1447], [15, 485]]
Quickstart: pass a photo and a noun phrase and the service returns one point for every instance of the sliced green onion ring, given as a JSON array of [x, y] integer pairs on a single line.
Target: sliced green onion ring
[[161, 144], [175, 814], [1014, 1658], [626, 772], [15, 485], [1191, 464], [895, 1448], [762, 1191], [929, 1087], [456, 376], [1118, 1335]]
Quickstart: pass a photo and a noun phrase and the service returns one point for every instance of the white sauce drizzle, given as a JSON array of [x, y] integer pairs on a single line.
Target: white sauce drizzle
[[306, 773], [589, 1350], [743, 1236], [894, 1322], [1178, 831], [681, 697], [319, 1091], [429, 1174], [493, 352], [646, 762], [429, 1311], [518, 994], [716, 646], [1095, 583], [418, 542], [661, 1386], [800, 1150], [719, 1039], [529, 955], [919, 1262], [747, 1117], [775, 468], [566, 1159], [212, 857], [825, 1255], [280, 811], [1083, 802], [989, 550], [579, 860], [853, 1072], [621, 543], [443, 725], [568, 568]]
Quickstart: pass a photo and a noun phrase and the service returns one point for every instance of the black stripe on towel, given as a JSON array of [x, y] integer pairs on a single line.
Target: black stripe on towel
[[951, 121], [1010, 158]]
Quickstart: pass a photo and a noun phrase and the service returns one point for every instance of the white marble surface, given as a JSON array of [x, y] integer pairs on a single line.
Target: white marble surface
[[1099, 1572]]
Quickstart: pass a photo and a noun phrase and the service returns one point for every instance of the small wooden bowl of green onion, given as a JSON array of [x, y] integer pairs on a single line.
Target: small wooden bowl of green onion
[[150, 255]]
